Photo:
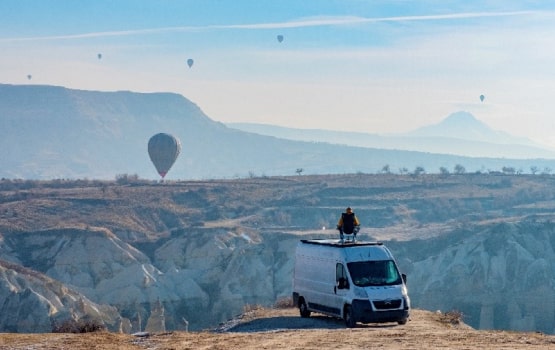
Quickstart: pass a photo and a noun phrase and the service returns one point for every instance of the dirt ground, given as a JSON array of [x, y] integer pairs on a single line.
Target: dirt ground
[[284, 329]]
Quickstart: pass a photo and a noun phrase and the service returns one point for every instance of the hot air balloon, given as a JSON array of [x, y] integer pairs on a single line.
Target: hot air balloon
[[29, 76], [190, 62], [163, 150], [482, 97], [280, 38], [99, 56]]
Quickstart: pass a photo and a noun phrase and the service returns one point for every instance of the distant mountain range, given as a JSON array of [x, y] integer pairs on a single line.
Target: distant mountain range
[[50, 132], [458, 134]]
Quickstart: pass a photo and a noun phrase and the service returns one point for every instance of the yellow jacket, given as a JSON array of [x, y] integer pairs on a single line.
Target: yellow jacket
[[356, 222]]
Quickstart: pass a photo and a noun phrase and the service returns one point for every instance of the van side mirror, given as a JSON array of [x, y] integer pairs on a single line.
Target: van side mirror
[[404, 277], [342, 283]]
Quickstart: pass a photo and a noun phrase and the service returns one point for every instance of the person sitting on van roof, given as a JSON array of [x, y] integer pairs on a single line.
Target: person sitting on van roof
[[348, 224]]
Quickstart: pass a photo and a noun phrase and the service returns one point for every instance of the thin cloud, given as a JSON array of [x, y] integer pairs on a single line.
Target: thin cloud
[[332, 21], [308, 22]]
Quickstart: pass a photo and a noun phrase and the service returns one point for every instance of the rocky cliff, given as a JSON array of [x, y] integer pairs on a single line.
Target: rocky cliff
[[33, 302], [501, 277], [189, 255], [201, 276]]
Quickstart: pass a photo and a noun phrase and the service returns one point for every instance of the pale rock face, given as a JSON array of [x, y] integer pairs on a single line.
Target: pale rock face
[[156, 321], [32, 302], [107, 270], [233, 269], [122, 276], [284, 265], [501, 278]]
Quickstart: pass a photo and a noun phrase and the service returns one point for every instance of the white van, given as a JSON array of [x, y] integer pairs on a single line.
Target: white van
[[358, 282]]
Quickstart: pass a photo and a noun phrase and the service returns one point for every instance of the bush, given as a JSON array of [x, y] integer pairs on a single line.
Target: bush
[[284, 303], [78, 326], [126, 179], [453, 317]]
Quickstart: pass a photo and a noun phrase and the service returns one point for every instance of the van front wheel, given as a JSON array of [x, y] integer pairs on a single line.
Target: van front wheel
[[303, 308], [350, 321]]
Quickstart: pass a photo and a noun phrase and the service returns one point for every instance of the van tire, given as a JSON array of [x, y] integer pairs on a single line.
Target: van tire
[[303, 309], [350, 321], [402, 322]]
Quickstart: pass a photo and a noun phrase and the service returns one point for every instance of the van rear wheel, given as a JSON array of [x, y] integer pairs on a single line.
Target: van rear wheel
[[303, 309], [350, 321]]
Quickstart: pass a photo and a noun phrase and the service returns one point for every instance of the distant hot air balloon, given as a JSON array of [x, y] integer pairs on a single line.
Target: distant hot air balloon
[[280, 38], [99, 56], [482, 97], [163, 150], [29, 76], [190, 62]]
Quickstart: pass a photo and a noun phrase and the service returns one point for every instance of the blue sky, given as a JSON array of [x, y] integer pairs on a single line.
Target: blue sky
[[371, 66]]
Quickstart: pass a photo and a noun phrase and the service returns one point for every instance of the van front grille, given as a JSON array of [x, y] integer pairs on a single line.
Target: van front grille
[[387, 304]]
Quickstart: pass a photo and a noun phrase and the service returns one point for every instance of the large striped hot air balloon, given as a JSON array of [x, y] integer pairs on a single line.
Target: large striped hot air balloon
[[163, 150]]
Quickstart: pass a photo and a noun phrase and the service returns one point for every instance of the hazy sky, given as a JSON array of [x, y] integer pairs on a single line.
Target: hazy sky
[[371, 66]]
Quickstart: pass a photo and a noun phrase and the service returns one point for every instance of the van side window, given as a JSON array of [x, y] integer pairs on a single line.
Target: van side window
[[341, 277]]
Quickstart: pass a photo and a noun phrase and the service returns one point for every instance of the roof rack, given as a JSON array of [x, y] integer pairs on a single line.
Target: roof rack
[[338, 243]]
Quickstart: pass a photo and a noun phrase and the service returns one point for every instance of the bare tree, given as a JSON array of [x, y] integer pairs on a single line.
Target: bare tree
[[419, 170], [534, 169], [508, 170]]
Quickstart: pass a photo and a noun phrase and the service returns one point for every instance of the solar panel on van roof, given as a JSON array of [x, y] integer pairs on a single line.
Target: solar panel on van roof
[[337, 243]]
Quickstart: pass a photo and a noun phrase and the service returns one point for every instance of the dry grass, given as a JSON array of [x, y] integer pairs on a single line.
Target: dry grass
[[250, 308], [284, 303], [424, 330], [453, 317]]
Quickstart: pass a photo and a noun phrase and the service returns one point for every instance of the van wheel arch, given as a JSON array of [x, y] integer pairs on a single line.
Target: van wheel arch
[[303, 308]]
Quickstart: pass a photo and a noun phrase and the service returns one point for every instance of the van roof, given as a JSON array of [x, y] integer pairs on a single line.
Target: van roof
[[337, 243]]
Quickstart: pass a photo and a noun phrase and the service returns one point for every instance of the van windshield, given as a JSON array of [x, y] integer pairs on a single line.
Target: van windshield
[[374, 273]]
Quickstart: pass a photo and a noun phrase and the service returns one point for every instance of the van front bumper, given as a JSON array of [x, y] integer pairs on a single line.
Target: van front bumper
[[363, 312]]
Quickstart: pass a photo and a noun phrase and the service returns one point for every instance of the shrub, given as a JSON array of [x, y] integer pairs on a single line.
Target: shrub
[[78, 326], [126, 179], [453, 317], [284, 303]]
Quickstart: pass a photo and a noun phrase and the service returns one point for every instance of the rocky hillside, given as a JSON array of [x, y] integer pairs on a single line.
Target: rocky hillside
[[139, 255], [33, 302]]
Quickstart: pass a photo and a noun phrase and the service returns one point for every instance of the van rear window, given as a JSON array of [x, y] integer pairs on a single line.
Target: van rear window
[[374, 273]]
